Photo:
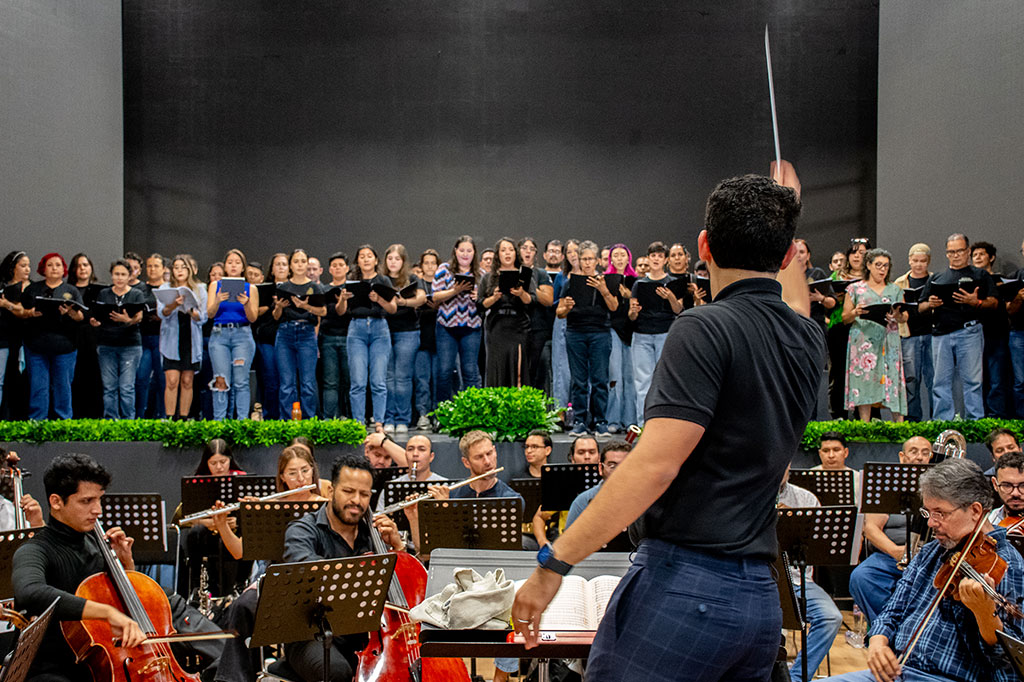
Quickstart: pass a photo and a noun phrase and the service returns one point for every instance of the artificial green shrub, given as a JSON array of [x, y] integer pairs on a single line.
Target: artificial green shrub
[[507, 413], [897, 432]]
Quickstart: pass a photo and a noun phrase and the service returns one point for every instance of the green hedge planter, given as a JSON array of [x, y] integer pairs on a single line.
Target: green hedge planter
[[507, 413], [897, 432], [243, 433]]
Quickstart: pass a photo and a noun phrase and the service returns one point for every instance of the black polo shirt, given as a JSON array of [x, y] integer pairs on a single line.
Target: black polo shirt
[[950, 317], [311, 538], [746, 368]]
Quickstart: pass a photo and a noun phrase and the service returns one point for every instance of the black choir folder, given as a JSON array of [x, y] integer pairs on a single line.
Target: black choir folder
[[580, 292], [579, 603], [47, 305], [101, 311], [234, 286]]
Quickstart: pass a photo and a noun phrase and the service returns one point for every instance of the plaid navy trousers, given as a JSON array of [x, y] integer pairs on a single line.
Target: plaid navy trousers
[[680, 614]]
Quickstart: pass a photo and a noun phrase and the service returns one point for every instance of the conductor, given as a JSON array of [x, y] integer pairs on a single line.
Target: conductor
[[728, 404]]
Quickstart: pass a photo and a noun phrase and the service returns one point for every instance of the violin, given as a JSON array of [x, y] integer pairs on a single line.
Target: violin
[[978, 561], [393, 654], [144, 601]]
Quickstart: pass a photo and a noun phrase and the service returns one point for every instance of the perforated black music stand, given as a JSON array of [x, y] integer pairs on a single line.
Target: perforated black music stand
[[398, 491], [263, 525], [893, 488], [198, 493], [9, 544], [830, 486], [530, 489], [310, 600], [561, 483], [20, 659], [486, 523], [1014, 649], [142, 517], [816, 536], [381, 478]]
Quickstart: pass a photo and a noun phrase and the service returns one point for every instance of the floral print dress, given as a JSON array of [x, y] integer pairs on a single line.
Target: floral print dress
[[874, 360]]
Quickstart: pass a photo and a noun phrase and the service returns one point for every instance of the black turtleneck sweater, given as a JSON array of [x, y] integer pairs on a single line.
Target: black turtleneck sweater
[[49, 565]]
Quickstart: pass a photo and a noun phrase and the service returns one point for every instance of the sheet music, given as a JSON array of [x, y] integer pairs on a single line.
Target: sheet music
[[579, 604]]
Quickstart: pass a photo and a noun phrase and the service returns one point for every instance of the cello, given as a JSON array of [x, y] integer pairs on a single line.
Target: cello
[[393, 654], [143, 600]]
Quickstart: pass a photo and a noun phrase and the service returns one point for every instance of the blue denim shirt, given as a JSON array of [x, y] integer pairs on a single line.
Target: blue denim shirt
[[169, 329]]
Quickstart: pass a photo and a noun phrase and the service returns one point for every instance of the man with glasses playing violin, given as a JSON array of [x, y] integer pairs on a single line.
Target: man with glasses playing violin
[[959, 641]]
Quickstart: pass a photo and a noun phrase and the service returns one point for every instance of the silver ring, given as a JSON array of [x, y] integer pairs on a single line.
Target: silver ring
[[520, 620]]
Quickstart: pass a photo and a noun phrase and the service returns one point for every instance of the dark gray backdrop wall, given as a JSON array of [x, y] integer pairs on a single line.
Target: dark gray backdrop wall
[[949, 133], [329, 124], [62, 176]]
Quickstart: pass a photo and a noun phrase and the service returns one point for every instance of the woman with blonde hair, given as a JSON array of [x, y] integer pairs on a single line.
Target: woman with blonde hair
[[181, 337]]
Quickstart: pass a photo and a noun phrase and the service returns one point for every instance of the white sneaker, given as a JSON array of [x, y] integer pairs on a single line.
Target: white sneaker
[[401, 428], [389, 429], [423, 423]]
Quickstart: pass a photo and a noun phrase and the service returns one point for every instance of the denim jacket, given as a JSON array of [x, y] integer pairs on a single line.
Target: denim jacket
[[169, 329]]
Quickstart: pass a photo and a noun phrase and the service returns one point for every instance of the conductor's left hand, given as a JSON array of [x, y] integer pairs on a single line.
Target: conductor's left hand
[[531, 600]]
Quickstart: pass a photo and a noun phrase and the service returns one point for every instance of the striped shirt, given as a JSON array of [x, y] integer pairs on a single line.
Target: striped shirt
[[459, 310]]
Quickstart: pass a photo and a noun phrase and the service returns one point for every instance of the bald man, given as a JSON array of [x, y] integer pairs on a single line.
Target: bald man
[[874, 579]]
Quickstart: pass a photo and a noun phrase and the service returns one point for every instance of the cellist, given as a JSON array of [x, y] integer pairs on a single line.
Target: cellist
[[60, 556], [1008, 482], [958, 641]]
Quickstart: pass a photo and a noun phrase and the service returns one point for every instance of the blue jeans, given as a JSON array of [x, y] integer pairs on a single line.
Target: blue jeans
[[917, 372], [588, 366], [149, 376], [963, 351], [559, 364], [621, 396], [646, 351], [824, 619], [679, 610], [461, 341], [908, 675], [401, 366], [369, 349], [297, 353], [997, 364], [4, 354], [334, 370], [1017, 360], [118, 370], [270, 381], [231, 353], [425, 384], [872, 583], [49, 374]]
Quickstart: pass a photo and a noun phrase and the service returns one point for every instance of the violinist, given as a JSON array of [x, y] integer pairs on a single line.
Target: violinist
[[63, 554], [1009, 484], [959, 641], [337, 530]]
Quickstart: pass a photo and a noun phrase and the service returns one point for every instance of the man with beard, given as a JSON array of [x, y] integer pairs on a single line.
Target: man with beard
[[337, 530], [959, 641], [1009, 484]]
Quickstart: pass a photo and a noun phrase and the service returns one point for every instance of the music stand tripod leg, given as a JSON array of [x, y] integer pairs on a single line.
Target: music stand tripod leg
[[325, 636], [806, 624]]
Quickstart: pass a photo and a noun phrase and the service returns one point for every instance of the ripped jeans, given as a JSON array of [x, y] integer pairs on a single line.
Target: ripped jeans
[[231, 353]]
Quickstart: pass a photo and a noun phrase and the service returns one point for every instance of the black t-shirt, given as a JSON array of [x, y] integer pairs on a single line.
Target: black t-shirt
[[746, 368], [587, 315], [374, 309], [949, 317], [150, 325], [293, 313], [111, 333], [918, 323], [333, 324], [653, 319], [405, 319], [1017, 319], [508, 311], [542, 317], [11, 327], [52, 333], [818, 310]]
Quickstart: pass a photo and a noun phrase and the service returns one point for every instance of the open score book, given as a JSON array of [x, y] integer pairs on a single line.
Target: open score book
[[579, 604]]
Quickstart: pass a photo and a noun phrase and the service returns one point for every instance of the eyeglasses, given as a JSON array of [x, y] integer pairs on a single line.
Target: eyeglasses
[[609, 465], [955, 252], [301, 473], [534, 447], [939, 516], [1010, 487]]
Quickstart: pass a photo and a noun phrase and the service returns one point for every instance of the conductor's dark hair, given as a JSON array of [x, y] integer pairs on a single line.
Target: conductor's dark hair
[[67, 471], [351, 460], [996, 433], [833, 435], [1011, 460], [750, 222]]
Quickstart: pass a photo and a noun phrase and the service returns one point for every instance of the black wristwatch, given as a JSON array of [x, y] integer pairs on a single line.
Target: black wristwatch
[[546, 558]]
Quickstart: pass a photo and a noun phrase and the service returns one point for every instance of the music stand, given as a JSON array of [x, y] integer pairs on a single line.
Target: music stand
[[831, 487], [25, 648], [9, 544], [198, 493], [893, 488], [1015, 651], [561, 483], [530, 489], [486, 523], [816, 536], [398, 491], [263, 525], [142, 517], [320, 599], [381, 478]]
